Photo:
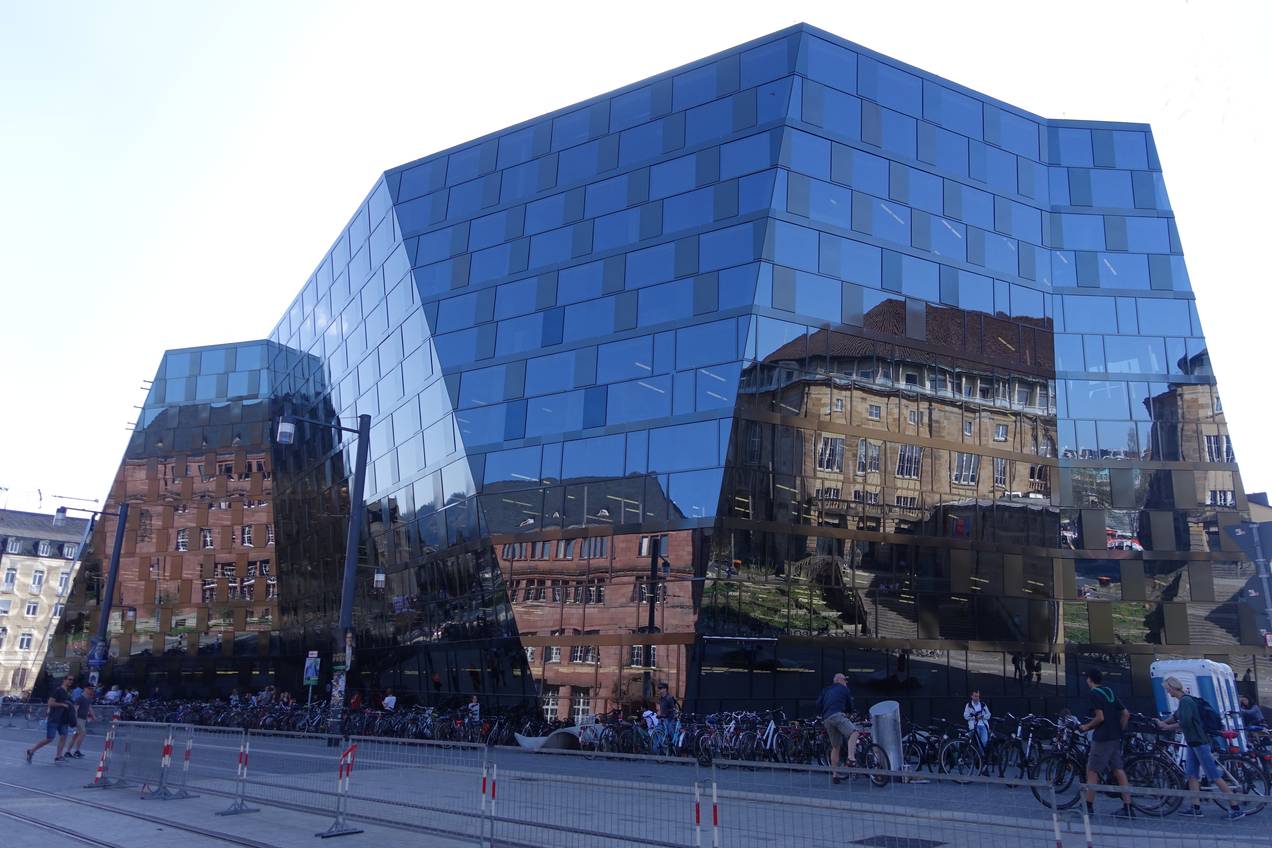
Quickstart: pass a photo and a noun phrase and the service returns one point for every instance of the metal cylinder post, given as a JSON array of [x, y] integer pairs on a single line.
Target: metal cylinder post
[[885, 720]]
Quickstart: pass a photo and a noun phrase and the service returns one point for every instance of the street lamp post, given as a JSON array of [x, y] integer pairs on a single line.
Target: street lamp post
[[651, 595], [344, 638], [99, 651]]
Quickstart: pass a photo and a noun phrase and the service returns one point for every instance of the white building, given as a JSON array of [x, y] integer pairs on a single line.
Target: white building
[[37, 565]]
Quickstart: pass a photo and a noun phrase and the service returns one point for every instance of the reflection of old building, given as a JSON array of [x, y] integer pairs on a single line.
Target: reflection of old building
[[196, 599], [910, 380], [38, 558]]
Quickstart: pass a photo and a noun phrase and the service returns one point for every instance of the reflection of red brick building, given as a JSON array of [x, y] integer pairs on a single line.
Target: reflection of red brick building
[[581, 606]]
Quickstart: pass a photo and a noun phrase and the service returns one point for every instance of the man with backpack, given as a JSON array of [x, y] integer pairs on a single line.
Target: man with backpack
[[1108, 721], [1198, 721]]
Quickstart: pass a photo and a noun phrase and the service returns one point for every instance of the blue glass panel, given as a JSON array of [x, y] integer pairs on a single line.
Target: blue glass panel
[[842, 115], [1112, 188], [695, 494], [717, 386], [795, 246], [516, 298], [482, 386], [743, 156], [545, 214], [604, 456], [890, 86], [632, 108], [1082, 232], [1147, 235], [705, 344], [517, 335], [687, 211], [818, 297], [625, 359], [640, 144], [672, 177], [1089, 314], [606, 196], [520, 465], [952, 110], [919, 278], [1074, 147], [693, 87], [588, 319], [1135, 354], [724, 248], [651, 265], [581, 282], [549, 248], [830, 204], [766, 62], [569, 130], [949, 239], [1123, 271], [616, 230], [482, 232], [577, 163], [709, 122], [1098, 399], [519, 182], [551, 414], [807, 153], [1164, 317], [683, 446], [1130, 149], [666, 302], [737, 287], [639, 400], [830, 64], [482, 426]]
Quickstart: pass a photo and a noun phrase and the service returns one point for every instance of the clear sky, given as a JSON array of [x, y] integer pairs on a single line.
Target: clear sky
[[171, 172]]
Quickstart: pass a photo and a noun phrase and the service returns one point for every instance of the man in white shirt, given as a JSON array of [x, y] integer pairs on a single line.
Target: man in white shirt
[[390, 701]]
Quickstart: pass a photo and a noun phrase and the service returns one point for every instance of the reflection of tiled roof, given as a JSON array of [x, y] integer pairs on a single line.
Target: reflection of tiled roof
[[37, 525]]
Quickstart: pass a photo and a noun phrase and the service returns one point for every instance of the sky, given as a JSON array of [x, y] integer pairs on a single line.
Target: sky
[[172, 172]]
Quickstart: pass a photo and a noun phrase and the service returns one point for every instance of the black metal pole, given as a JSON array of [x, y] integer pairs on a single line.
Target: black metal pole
[[100, 648], [349, 584], [651, 595]]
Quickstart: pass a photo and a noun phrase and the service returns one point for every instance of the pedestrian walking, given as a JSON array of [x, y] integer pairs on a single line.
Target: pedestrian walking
[[57, 721], [977, 716], [1108, 721], [835, 705], [668, 713], [83, 715], [1197, 754]]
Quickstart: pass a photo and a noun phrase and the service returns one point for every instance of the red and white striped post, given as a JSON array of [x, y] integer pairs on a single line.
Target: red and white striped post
[[344, 769], [715, 816], [697, 814], [100, 780], [164, 792], [240, 780]]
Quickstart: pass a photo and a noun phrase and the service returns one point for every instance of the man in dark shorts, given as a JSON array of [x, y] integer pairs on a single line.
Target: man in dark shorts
[[83, 712], [834, 704], [58, 721], [1108, 720]]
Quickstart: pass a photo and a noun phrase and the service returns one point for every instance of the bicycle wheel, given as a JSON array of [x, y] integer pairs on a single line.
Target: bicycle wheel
[[1245, 779], [960, 758], [1008, 760], [912, 756], [746, 747], [874, 759], [1149, 772], [1064, 773]]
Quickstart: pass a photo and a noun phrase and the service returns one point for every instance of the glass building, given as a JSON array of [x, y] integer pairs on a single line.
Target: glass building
[[790, 361]]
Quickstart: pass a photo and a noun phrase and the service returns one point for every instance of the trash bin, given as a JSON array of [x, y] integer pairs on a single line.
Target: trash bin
[[885, 720]]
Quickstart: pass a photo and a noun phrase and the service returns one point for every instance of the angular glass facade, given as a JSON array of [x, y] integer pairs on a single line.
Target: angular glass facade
[[834, 364]]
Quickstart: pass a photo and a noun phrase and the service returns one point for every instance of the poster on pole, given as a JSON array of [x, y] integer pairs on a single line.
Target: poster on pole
[[313, 669]]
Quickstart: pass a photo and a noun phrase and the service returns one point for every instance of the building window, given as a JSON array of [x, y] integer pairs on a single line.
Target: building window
[[269, 534], [636, 656], [19, 677], [909, 461], [6, 605], [536, 590], [557, 586], [13, 546], [828, 493], [1000, 432], [183, 540], [874, 412], [967, 429], [867, 456], [551, 698], [583, 653], [830, 454], [660, 545], [247, 535], [10, 579], [554, 653], [907, 501], [37, 580], [754, 443], [1218, 405], [595, 547], [915, 417], [58, 609], [45, 549], [966, 468], [530, 654], [595, 592], [1221, 497], [4, 633], [581, 707], [69, 551], [1000, 472], [839, 404], [1219, 449], [865, 496], [565, 549], [24, 641], [205, 538]]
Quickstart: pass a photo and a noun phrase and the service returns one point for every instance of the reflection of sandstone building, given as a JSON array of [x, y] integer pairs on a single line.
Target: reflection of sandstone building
[[38, 559], [197, 575]]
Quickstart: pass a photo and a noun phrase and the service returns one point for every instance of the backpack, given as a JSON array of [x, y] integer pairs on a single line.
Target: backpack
[[1210, 721]]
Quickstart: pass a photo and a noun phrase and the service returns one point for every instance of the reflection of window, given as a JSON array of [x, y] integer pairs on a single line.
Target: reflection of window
[[246, 536], [1219, 449], [32, 609], [827, 493], [865, 496], [637, 656], [10, 579], [205, 538], [183, 540], [1000, 432], [915, 416], [830, 454], [967, 428], [536, 590], [37, 580], [839, 404], [909, 461], [69, 551], [867, 456], [45, 549], [4, 633], [1000, 472], [874, 412], [595, 592], [58, 609], [6, 604], [1218, 406], [269, 534], [530, 654], [907, 501], [660, 544], [554, 653], [14, 545], [753, 442], [595, 547], [565, 549], [20, 677], [1221, 497], [642, 591], [966, 468], [583, 653], [24, 642], [551, 697]]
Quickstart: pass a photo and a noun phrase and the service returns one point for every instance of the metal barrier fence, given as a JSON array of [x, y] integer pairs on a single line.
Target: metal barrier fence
[[501, 796]]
